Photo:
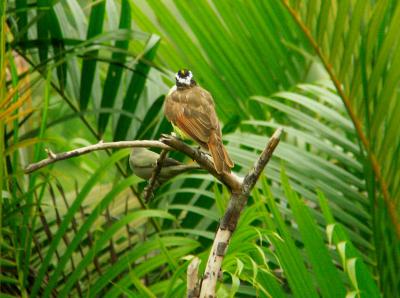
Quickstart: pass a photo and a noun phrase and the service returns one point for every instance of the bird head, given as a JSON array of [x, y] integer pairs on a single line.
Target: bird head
[[184, 78]]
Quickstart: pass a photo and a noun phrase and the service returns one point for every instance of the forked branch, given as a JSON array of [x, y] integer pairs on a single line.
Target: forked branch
[[240, 191], [231, 217]]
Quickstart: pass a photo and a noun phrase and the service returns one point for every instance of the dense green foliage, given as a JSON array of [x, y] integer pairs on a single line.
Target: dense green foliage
[[323, 221]]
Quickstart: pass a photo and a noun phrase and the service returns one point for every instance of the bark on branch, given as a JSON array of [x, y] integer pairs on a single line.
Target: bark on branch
[[95, 147], [231, 217], [193, 278], [148, 191], [240, 191], [230, 180]]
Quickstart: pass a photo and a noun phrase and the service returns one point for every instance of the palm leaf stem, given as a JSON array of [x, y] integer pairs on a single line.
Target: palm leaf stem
[[356, 121]]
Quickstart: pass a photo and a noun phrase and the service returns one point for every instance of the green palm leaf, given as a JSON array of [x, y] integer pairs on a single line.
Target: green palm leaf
[[325, 71]]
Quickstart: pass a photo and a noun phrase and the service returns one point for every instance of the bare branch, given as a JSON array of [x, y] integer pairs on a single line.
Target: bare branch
[[193, 278], [231, 217], [148, 192], [239, 200], [84, 150], [229, 179], [240, 190]]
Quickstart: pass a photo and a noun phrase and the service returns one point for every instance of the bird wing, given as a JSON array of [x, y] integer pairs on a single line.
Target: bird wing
[[170, 162], [192, 110]]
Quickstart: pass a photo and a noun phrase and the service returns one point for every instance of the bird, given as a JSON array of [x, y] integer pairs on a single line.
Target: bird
[[142, 162], [191, 110]]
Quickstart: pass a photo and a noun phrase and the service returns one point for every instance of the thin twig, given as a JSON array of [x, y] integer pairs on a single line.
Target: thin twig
[[231, 217], [95, 147], [153, 184]]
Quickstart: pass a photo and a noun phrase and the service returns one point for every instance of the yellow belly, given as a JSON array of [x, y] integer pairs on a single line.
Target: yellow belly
[[181, 134]]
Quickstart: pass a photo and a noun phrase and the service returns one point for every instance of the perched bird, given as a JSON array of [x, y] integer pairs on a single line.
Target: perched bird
[[191, 111], [142, 162]]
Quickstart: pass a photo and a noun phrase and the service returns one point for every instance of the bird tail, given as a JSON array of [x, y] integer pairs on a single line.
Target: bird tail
[[222, 161]]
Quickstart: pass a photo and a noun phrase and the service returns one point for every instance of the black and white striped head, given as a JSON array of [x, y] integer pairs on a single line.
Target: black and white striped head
[[184, 78]]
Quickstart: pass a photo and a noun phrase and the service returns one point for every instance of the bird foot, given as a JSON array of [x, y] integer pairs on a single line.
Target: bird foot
[[166, 136], [199, 152], [171, 136]]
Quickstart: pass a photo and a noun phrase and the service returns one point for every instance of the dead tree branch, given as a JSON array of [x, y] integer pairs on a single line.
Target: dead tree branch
[[240, 192], [230, 180], [231, 217], [95, 147], [193, 278], [148, 191]]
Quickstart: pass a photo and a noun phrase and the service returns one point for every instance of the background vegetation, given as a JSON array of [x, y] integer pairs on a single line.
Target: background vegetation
[[323, 222]]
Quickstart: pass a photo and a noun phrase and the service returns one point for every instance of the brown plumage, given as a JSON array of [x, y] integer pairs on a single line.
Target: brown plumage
[[191, 109]]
